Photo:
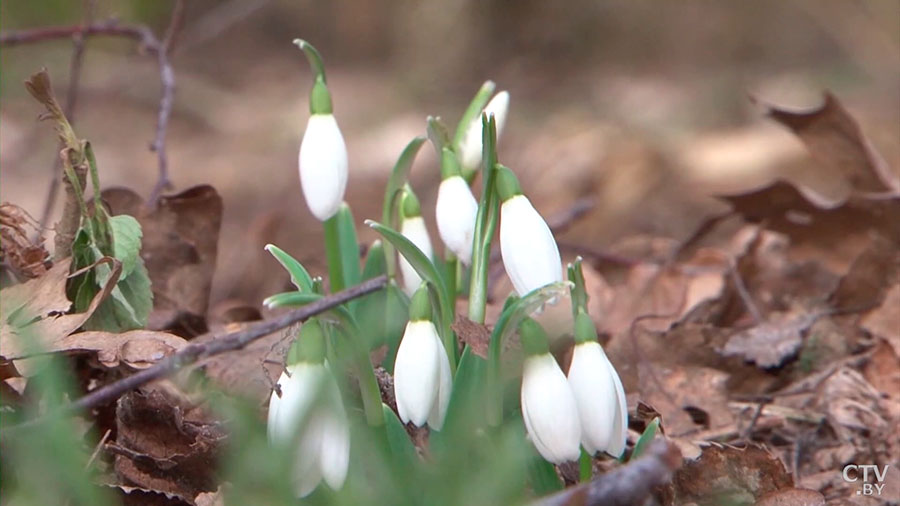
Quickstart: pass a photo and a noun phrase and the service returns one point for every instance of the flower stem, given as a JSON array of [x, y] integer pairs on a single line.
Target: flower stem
[[485, 223], [452, 269], [585, 466], [333, 254]]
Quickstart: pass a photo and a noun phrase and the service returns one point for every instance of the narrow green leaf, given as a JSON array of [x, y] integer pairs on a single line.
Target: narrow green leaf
[[402, 448], [506, 325], [579, 294], [644, 441], [485, 224], [333, 254], [473, 111], [543, 477], [585, 466], [395, 183], [299, 275], [375, 263], [349, 246], [428, 272], [465, 411]]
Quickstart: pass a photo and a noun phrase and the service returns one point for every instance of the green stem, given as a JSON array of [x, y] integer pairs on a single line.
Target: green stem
[[452, 269], [333, 254], [585, 466], [485, 222]]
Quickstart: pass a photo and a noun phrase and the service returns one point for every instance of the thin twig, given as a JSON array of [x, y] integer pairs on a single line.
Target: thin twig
[[108, 28], [167, 78], [226, 341], [75, 64], [97, 449], [627, 485]]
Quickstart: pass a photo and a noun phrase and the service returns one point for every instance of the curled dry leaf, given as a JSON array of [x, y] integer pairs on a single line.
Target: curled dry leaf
[[44, 298], [771, 342], [728, 475], [138, 349], [792, 497], [884, 321], [836, 141], [27, 258], [689, 399], [180, 246]]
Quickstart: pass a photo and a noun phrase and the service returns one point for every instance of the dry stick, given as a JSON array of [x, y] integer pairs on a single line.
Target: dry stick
[[167, 77], [226, 341], [627, 485], [75, 64], [150, 43]]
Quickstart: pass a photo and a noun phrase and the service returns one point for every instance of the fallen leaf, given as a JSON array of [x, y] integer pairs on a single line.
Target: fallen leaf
[[771, 342], [688, 398], [180, 246], [138, 349], [884, 321], [39, 297], [792, 497], [728, 475], [26, 257], [872, 273], [476, 335], [165, 443], [837, 142]]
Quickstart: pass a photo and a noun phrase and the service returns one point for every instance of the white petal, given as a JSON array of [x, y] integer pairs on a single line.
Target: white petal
[[470, 145], [549, 410], [414, 229], [620, 426], [455, 213], [417, 372], [595, 394], [445, 387], [323, 166], [307, 472], [274, 403], [334, 457], [530, 254]]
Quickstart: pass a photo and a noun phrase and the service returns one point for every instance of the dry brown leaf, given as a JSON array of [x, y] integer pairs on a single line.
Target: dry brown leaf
[[792, 497], [833, 229], [728, 475], [837, 142], [689, 398], [476, 335], [165, 443], [52, 329], [26, 257], [884, 321], [853, 406], [179, 248], [872, 273], [38, 298], [138, 349], [771, 342]]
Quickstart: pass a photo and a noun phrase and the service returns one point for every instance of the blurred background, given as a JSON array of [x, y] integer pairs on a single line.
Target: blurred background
[[644, 106]]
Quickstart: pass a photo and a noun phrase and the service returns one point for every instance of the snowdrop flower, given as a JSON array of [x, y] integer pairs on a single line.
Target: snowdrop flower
[[323, 155], [530, 254], [471, 144], [456, 209], [412, 226], [548, 404], [422, 381], [309, 415], [598, 392]]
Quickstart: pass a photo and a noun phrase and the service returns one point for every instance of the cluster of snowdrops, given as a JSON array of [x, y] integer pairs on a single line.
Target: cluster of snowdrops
[[567, 416]]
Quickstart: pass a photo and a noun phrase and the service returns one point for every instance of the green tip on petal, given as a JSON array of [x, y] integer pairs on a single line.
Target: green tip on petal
[[585, 331], [534, 339], [507, 183], [420, 305], [410, 206], [309, 345]]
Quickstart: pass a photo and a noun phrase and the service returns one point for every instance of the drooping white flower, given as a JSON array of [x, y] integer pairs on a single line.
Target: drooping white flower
[[323, 166], [598, 393], [412, 226], [530, 254], [455, 213], [309, 415], [422, 381], [470, 145], [548, 404]]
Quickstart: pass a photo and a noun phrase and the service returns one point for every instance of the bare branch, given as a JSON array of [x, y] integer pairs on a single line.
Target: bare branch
[[224, 342], [625, 486], [167, 78]]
